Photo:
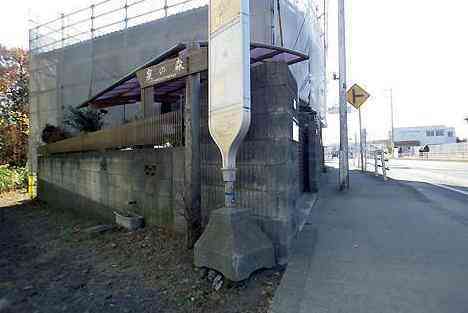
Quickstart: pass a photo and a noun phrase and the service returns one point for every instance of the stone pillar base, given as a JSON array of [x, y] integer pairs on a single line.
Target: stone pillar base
[[234, 245]]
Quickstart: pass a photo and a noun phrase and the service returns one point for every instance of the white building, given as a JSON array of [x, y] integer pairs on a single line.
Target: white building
[[424, 135]]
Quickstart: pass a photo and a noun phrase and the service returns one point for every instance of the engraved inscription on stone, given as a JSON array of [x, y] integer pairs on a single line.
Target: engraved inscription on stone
[[229, 103], [222, 12], [225, 127]]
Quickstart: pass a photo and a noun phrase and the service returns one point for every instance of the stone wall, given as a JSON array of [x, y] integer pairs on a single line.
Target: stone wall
[[66, 77], [268, 177], [97, 183], [310, 162], [268, 169]]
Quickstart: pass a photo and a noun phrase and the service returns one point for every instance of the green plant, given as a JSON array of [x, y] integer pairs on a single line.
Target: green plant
[[12, 178], [22, 174], [5, 178], [86, 120], [52, 133]]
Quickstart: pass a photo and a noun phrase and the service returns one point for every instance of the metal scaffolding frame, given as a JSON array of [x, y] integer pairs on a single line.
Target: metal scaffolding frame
[[102, 18], [114, 15]]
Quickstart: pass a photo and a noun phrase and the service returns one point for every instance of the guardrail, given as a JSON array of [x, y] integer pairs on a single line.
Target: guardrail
[[380, 155]]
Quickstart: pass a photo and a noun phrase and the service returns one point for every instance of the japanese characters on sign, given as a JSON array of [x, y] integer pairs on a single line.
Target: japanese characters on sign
[[222, 12], [165, 71], [229, 76], [194, 62]]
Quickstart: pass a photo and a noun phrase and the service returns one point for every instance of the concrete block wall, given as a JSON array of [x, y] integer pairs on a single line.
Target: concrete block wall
[[97, 183], [267, 176], [309, 139], [66, 77]]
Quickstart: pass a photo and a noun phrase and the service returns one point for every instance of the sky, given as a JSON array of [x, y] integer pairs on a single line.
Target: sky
[[418, 48]]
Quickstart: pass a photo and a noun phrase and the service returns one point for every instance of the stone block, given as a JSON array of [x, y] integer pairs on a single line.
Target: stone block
[[280, 232], [178, 163], [138, 182], [163, 188], [234, 245]]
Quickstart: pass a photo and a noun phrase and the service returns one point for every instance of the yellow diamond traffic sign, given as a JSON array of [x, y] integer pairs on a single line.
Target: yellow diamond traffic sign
[[356, 96]]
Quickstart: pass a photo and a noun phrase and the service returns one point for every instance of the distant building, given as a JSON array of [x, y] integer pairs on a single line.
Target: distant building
[[424, 135]]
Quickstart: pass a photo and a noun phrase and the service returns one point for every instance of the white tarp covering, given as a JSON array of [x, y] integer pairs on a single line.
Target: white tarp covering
[[301, 32]]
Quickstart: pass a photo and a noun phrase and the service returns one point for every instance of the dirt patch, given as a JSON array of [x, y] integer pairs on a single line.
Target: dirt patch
[[48, 263]]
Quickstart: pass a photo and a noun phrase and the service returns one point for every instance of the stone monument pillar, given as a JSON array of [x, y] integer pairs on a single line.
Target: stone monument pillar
[[232, 242]]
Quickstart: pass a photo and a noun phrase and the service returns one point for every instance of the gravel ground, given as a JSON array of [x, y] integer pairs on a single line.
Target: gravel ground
[[48, 263]]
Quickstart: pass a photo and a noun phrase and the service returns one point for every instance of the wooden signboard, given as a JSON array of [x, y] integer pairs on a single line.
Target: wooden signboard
[[174, 68]]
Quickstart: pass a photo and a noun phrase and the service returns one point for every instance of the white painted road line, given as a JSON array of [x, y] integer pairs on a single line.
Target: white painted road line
[[452, 189]]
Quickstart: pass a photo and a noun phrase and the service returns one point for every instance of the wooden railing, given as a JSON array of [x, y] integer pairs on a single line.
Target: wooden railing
[[165, 130]]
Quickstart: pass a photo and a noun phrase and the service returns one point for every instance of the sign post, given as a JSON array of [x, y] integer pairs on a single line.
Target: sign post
[[357, 96], [229, 83], [232, 242]]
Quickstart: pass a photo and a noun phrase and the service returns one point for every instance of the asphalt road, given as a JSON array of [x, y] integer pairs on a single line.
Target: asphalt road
[[452, 176], [445, 183]]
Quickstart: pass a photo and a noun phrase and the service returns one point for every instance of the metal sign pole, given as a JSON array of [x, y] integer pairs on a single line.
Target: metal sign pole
[[361, 149], [357, 96], [391, 120], [364, 136]]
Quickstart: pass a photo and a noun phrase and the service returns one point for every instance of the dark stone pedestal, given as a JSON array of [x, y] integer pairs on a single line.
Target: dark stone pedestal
[[234, 245]]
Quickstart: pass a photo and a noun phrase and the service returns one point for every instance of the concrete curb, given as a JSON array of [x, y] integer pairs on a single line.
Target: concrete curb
[[298, 265]]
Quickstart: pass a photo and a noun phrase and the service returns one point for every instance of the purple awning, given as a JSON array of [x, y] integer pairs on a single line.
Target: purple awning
[[127, 89]]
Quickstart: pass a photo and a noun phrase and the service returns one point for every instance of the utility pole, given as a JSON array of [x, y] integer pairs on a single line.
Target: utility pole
[[343, 182]]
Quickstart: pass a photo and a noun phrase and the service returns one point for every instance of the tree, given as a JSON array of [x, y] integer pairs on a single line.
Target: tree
[[14, 115]]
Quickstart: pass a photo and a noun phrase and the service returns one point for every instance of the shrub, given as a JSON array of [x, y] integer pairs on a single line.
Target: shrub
[[12, 178], [22, 174], [85, 120], [52, 133]]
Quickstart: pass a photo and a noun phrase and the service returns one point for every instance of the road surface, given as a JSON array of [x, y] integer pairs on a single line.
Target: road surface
[[381, 247], [452, 176]]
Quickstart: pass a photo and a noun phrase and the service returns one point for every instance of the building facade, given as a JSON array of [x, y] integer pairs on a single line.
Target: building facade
[[424, 135]]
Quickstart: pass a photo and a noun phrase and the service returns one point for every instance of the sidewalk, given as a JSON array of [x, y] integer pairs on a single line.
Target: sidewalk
[[380, 247]]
